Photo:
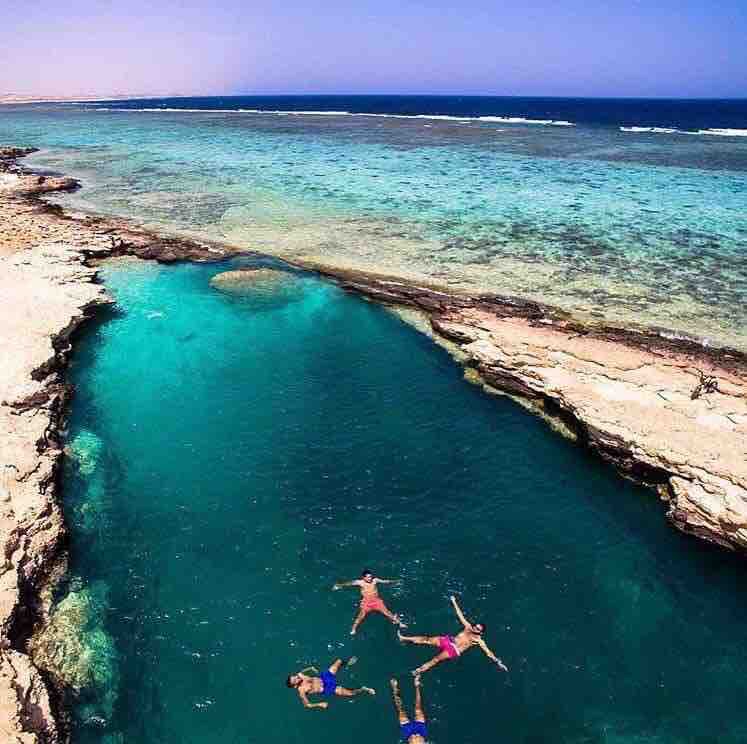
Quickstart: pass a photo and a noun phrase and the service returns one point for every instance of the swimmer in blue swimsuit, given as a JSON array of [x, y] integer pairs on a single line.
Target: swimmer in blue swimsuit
[[411, 731], [325, 684]]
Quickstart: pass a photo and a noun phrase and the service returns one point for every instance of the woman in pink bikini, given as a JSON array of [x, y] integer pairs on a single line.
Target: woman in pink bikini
[[453, 646], [370, 599]]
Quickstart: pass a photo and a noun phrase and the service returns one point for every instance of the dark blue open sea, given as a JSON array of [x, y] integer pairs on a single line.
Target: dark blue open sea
[[681, 114]]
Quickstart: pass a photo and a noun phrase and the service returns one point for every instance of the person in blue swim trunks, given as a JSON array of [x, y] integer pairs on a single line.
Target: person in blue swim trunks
[[411, 731], [325, 684]]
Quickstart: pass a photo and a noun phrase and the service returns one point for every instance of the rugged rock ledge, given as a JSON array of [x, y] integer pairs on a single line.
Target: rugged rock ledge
[[627, 395]]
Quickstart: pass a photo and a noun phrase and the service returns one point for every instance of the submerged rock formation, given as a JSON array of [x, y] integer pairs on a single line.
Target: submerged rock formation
[[241, 281], [74, 648]]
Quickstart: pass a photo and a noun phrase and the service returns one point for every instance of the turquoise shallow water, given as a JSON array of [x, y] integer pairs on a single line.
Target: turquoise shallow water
[[236, 456], [633, 226]]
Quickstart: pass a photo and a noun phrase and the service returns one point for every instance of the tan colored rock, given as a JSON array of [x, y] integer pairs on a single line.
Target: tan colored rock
[[25, 712], [46, 291], [241, 281]]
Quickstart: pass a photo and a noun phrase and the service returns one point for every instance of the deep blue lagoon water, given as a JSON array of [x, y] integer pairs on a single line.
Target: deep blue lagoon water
[[624, 209], [232, 457]]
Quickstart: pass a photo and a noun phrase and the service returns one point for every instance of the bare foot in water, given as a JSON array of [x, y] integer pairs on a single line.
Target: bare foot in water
[[369, 690]]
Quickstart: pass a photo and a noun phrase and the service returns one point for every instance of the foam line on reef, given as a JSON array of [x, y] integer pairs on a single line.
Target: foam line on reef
[[279, 112], [713, 131]]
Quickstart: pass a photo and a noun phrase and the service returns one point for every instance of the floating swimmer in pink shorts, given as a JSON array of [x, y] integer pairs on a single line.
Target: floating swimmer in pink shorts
[[370, 599], [453, 646]]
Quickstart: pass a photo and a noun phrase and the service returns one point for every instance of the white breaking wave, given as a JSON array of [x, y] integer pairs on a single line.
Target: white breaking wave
[[277, 112], [522, 120], [720, 132], [652, 130], [724, 132]]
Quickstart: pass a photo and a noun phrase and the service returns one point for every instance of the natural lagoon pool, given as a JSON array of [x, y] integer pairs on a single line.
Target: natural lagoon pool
[[234, 456]]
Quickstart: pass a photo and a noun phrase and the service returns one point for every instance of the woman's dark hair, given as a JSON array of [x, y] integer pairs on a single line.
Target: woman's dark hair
[[481, 626], [366, 572], [289, 681]]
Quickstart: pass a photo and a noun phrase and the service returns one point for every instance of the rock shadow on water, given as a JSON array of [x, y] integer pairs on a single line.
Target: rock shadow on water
[[260, 287]]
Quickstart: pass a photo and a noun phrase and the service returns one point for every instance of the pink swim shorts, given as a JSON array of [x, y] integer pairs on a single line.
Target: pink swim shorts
[[446, 643], [373, 604]]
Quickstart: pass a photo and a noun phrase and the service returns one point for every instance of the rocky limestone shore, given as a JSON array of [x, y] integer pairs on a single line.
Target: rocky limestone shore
[[666, 412]]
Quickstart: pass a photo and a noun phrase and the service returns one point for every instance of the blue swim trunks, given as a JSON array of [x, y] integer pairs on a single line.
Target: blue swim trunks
[[412, 728], [329, 681]]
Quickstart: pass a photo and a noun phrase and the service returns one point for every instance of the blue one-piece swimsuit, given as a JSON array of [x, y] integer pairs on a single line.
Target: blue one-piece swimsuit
[[329, 682], [411, 728]]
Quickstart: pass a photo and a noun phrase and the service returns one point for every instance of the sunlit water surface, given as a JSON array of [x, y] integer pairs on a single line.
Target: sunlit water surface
[[234, 456]]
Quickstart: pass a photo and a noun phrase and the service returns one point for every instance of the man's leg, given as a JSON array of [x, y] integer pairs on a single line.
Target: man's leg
[[398, 702], [420, 640], [419, 712], [340, 663], [344, 692], [358, 620], [443, 656], [334, 667], [387, 613]]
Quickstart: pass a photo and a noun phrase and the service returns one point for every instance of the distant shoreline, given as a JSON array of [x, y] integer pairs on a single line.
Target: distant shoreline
[[11, 100]]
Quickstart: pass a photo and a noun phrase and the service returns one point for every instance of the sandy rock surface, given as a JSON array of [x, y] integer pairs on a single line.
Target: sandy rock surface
[[241, 280], [45, 293]]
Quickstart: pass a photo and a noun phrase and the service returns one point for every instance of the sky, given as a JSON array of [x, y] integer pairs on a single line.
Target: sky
[[682, 48]]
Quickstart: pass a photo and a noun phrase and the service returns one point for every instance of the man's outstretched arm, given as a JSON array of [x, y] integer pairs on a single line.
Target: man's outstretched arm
[[388, 581], [491, 655], [307, 704], [341, 584], [459, 613]]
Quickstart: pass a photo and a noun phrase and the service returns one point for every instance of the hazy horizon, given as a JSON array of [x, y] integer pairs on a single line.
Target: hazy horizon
[[686, 49]]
